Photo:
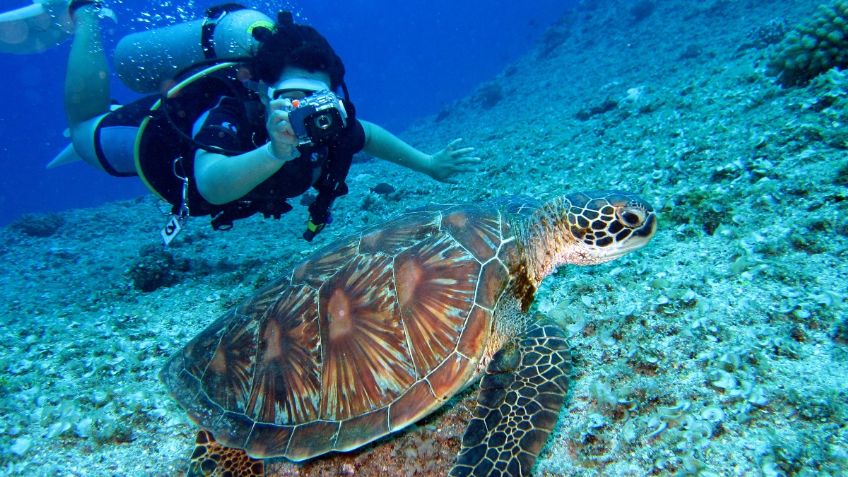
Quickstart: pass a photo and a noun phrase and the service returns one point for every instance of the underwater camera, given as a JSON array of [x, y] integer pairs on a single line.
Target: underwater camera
[[318, 118]]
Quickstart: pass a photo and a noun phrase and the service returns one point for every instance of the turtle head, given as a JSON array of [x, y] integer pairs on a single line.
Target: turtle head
[[605, 225]]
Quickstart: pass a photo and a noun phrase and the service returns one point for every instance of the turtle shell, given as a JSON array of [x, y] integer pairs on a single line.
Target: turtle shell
[[366, 336]]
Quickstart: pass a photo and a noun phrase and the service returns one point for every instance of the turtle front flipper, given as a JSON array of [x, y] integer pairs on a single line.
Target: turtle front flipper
[[518, 406], [211, 459]]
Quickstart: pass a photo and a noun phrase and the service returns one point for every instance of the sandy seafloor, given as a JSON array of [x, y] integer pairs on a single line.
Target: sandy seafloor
[[720, 349]]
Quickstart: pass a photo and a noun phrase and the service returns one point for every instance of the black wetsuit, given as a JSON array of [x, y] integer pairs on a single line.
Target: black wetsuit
[[324, 168], [235, 121]]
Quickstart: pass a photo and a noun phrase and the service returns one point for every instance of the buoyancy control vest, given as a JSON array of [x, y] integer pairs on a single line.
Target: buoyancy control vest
[[165, 151]]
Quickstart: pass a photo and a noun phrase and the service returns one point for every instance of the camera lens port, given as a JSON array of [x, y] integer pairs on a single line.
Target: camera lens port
[[324, 121]]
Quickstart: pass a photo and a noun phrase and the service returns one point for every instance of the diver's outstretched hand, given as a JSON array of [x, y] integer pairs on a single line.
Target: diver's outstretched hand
[[450, 161]]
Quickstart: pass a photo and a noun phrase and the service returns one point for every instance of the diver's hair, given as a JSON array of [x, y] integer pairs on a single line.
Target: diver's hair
[[301, 46]]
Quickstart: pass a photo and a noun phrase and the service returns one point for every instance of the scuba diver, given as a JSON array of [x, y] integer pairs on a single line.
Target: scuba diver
[[243, 119]]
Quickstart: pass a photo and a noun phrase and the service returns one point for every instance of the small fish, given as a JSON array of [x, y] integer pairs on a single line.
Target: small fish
[[382, 189]]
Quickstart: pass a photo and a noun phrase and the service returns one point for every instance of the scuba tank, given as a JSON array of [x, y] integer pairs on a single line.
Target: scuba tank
[[146, 61]]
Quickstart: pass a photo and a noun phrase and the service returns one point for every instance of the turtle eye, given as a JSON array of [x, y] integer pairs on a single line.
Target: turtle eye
[[631, 216]]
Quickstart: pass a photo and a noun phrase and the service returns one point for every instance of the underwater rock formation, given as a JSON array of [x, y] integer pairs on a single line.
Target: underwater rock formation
[[38, 225], [155, 268]]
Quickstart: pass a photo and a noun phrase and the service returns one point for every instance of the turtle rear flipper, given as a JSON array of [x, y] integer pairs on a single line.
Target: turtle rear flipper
[[211, 459], [518, 406]]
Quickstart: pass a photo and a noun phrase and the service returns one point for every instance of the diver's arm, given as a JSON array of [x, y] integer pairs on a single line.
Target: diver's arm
[[440, 166], [221, 179], [385, 145]]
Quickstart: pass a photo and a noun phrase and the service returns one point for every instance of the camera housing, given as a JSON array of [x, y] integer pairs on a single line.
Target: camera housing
[[318, 119]]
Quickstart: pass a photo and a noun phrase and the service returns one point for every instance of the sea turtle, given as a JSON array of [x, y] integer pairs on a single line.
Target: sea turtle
[[377, 330]]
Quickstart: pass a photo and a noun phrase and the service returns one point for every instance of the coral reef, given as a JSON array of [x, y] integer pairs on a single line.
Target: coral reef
[[813, 47]]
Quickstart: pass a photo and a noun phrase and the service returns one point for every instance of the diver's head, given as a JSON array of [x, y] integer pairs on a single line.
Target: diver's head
[[291, 47], [296, 83]]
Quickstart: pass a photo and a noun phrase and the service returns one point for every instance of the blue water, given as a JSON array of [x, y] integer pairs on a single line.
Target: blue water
[[405, 60]]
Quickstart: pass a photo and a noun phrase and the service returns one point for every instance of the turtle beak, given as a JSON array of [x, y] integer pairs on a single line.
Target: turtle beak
[[649, 228]]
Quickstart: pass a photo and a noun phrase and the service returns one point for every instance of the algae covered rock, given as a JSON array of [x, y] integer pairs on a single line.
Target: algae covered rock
[[813, 47], [155, 268], [38, 225]]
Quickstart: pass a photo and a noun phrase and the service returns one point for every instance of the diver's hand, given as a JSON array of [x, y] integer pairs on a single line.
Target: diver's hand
[[283, 141], [451, 161]]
